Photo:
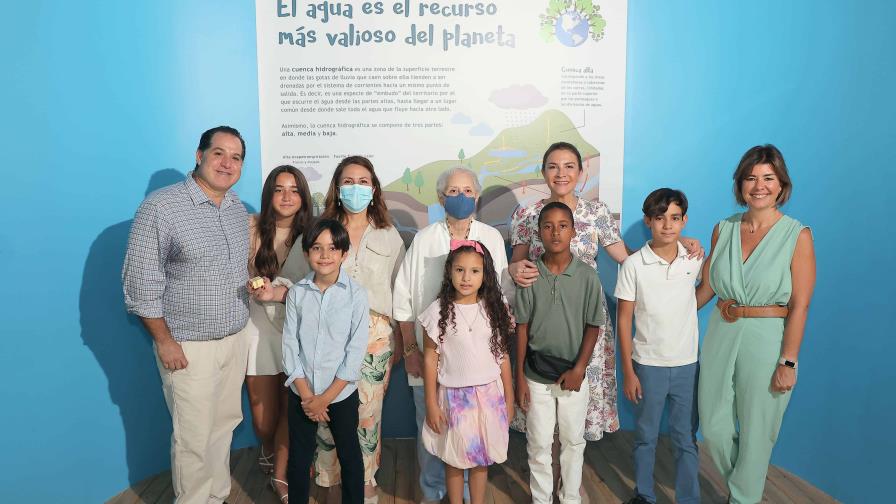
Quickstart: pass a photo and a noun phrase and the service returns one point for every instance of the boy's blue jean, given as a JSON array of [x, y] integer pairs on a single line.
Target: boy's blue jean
[[679, 385]]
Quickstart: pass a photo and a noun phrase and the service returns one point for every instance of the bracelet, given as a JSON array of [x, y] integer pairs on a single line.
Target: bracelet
[[788, 363], [409, 349]]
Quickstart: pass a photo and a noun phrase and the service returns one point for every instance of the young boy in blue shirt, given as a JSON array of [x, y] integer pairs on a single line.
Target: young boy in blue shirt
[[324, 341], [656, 286]]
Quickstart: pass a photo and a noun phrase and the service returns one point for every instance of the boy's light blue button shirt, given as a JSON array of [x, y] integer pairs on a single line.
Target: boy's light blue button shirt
[[325, 333]]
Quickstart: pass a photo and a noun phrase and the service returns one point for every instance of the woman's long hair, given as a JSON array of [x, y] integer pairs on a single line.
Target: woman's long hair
[[496, 309], [266, 262]]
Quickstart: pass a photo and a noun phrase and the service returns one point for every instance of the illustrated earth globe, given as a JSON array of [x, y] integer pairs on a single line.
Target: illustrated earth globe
[[571, 28]]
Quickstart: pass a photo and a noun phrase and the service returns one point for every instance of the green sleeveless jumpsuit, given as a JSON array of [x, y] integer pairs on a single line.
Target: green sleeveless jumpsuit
[[739, 415]]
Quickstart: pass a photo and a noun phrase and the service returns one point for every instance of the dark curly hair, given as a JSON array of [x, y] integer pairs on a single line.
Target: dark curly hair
[[496, 309]]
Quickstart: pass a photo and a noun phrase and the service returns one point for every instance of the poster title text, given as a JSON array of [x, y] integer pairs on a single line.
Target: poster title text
[[424, 35]]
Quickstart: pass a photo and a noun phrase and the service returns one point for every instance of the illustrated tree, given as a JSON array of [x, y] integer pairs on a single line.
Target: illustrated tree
[[418, 181], [461, 155], [319, 202], [406, 179]]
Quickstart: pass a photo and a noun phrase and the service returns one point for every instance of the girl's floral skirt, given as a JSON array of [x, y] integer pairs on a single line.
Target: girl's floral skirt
[[477, 431]]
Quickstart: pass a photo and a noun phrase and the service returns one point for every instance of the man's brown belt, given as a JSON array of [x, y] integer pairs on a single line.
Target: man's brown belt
[[730, 311]]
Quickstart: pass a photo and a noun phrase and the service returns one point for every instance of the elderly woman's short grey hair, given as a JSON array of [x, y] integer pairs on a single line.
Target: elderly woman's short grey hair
[[442, 182]]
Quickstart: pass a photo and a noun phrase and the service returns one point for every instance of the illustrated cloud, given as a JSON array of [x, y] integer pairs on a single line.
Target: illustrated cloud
[[518, 97], [481, 129], [310, 174], [459, 118]]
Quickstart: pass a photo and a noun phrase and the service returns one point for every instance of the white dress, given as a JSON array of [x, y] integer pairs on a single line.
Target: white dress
[[264, 330]]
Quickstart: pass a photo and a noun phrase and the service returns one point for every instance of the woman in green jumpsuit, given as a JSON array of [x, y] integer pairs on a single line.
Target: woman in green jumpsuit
[[762, 267]]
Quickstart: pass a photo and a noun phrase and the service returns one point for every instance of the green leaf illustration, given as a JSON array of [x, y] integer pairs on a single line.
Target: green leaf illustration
[[555, 7], [584, 6], [547, 33]]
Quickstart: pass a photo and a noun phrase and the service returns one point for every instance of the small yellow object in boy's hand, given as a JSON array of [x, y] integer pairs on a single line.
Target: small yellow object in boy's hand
[[257, 282]]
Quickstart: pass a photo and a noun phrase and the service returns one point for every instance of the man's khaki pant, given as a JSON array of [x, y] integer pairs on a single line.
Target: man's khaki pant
[[205, 402]]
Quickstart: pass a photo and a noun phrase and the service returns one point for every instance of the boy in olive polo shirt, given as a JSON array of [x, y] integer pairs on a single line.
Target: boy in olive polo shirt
[[558, 319]]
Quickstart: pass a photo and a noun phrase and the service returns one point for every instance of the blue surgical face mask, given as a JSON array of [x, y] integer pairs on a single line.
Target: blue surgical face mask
[[459, 206], [355, 197]]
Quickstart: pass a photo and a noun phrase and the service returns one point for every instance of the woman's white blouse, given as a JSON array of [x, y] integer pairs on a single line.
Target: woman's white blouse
[[375, 264]]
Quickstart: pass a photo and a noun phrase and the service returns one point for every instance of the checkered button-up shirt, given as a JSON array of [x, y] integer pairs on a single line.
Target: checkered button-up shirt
[[187, 262]]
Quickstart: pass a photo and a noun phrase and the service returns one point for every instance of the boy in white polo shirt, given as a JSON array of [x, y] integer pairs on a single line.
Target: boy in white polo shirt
[[656, 285]]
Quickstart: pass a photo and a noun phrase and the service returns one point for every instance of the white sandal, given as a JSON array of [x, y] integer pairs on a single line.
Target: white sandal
[[283, 498], [265, 462]]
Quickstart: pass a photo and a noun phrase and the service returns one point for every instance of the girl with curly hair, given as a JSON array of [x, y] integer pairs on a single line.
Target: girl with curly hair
[[466, 372]]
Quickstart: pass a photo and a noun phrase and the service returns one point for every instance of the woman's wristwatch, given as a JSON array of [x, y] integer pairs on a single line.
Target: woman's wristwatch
[[409, 349], [787, 363]]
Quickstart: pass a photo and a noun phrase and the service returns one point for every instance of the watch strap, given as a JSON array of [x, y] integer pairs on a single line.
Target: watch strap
[[787, 363]]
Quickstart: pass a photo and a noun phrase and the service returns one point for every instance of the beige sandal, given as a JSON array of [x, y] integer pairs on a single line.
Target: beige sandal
[[266, 462], [283, 497]]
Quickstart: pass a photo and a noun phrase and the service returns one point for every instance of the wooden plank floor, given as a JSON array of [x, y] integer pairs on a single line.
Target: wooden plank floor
[[608, 477]]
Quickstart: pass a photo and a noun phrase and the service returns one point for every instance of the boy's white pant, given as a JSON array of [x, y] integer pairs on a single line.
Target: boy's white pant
[[550, 406]]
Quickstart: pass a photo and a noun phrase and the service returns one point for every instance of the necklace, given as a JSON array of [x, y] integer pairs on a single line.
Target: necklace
[[466, 232], [469, 323], [751, 227]]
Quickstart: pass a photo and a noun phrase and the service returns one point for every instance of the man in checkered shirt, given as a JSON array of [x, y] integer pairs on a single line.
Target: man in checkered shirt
[[185, 276]]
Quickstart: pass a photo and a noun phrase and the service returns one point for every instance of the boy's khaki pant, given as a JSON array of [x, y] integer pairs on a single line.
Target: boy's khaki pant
[[205, 402]]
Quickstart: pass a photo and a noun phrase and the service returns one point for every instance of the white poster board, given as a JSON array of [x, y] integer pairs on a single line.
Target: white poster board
[[419, 87]]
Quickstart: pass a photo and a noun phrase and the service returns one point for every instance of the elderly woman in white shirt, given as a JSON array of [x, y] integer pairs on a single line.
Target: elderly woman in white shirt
[[417, 285]]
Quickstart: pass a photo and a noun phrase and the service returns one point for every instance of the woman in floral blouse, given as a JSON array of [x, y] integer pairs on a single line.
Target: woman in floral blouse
[[595, 226]]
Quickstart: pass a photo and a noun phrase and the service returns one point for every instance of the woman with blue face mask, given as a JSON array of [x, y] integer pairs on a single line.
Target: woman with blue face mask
[[418, 283], [355, 198]]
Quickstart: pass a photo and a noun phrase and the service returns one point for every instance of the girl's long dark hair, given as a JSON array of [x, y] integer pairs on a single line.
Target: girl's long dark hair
[[266, 263], [496, 309]]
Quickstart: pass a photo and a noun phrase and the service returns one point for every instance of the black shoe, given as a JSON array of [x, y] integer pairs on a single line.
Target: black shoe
[[637, 500]]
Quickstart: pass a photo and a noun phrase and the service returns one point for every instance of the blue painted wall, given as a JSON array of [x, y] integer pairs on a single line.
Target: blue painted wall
[[104, 101]]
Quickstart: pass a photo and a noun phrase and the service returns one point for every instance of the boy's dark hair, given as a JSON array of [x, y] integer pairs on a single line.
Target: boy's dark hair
[[205, 141], [658, 202], [340, 236], [490, 294], [554, 205]]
